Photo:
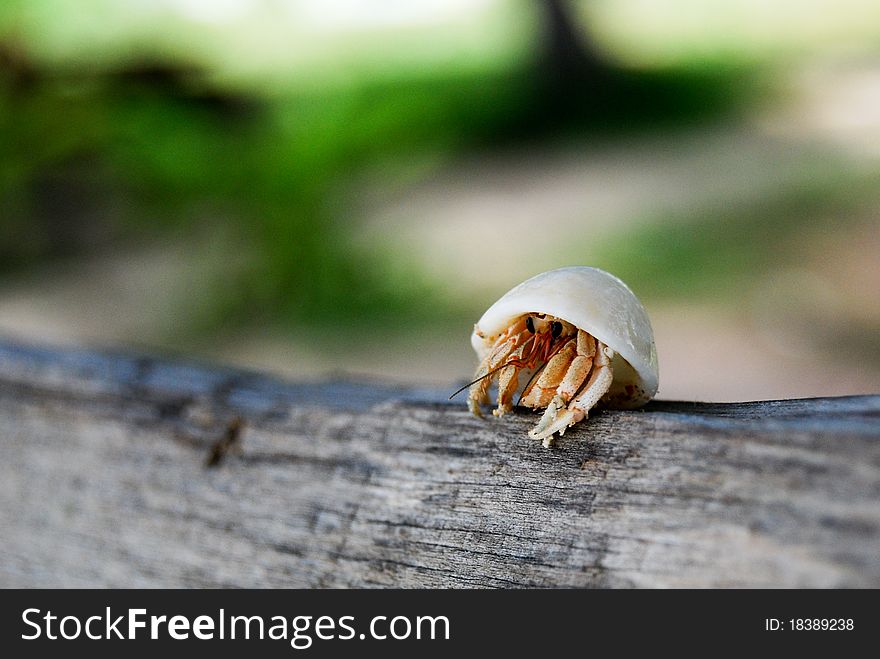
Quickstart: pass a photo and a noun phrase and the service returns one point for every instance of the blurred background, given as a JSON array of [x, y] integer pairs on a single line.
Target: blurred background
[[316, 187]]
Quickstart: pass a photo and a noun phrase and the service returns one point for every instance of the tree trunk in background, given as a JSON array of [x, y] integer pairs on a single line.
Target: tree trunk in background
[[568, 58]]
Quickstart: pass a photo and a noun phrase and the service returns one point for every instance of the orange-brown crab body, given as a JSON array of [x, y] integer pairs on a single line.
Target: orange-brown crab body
[[579, 335]]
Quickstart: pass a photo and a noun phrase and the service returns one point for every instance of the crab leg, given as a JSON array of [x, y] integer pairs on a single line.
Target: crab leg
[[580, 366], [515, 336], [541, 392], [508, 380], [597, 386], [566, 377]]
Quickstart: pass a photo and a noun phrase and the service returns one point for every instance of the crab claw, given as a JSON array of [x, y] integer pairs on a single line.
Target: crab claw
[[546, 419], [555, 420]]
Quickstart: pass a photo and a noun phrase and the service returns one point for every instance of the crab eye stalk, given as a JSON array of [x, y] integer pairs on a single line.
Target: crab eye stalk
[[530, 325], [556, 328]]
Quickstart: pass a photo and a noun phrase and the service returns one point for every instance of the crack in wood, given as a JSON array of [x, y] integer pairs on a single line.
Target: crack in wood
[[229, 441]]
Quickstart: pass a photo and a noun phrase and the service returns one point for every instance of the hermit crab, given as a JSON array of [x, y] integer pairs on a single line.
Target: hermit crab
[[578, 336]]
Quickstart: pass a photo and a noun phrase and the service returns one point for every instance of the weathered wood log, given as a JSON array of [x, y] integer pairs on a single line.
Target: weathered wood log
[[105, 481]]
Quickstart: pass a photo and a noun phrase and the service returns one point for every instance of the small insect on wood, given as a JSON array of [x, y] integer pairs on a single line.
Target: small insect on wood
[[578, 336]]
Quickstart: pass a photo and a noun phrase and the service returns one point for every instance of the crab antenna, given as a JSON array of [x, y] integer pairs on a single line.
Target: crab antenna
[[483, 377]]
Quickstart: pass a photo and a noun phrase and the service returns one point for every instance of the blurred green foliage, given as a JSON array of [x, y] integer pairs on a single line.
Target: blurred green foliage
[[89, 160], [723, 248]]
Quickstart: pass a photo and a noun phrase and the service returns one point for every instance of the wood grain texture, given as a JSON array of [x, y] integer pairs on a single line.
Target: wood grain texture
[[104, 482]]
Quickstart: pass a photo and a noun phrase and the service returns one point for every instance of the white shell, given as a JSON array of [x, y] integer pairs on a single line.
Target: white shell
[[596, 302]]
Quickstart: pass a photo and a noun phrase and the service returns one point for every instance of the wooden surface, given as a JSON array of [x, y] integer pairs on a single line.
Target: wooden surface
[[105, 481]]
